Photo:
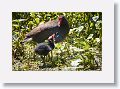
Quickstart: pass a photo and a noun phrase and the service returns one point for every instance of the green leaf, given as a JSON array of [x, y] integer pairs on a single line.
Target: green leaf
[[30, 23], [58, 46], [90, 36], [37, 20], [32, 14]]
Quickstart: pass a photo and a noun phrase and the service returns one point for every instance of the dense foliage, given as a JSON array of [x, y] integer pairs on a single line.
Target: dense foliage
[[80, 51]]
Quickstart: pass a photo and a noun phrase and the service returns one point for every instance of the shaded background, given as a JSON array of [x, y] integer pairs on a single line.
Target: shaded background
[[80, 51]]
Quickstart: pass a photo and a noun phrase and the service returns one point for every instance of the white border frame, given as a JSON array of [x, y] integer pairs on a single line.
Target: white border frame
[[104, 76]]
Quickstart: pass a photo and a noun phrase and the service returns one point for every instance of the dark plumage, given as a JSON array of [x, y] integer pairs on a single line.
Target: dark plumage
[[44, 48], [58, 37], [45, 30]]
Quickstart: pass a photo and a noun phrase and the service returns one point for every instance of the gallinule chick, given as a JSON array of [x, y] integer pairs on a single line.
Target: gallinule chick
[[44, 48]]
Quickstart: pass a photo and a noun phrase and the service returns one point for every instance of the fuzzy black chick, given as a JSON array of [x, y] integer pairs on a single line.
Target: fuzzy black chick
[[45, 47]]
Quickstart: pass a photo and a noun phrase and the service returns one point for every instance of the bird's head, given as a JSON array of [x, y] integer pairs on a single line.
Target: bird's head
[[51, 38], [61, 20], [51, 41]]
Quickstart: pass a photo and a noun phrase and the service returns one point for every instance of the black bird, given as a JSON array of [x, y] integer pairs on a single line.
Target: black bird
[[44, 48], [45, 30]]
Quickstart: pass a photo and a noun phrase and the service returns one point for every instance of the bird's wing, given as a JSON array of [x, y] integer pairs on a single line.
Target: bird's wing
[[48, 48], [43, 27], [40, 46], [43, 47]]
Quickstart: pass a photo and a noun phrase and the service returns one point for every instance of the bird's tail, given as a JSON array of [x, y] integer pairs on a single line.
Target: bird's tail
[[26, 40]]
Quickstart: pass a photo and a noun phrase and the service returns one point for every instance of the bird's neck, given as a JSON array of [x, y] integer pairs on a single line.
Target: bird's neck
[[51, 44], [64, 24]]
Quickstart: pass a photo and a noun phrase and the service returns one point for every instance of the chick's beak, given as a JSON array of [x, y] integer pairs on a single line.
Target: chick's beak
[[52, 38]]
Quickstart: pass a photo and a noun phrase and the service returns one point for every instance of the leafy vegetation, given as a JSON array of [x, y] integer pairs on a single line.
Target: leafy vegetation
[[80, 51]]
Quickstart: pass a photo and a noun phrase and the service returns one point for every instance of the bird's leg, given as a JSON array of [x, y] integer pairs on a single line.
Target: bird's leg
[[51, 58], [48, 56], [43, 58], [44, 65]]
